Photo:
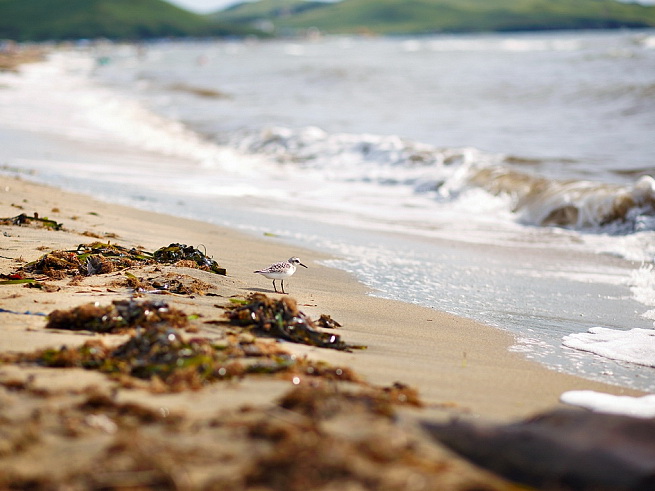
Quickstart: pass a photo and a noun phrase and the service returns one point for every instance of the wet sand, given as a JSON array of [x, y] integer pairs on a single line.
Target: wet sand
[[460, 368]]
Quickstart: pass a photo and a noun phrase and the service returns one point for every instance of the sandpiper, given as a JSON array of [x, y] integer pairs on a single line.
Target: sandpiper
[[280, 271]]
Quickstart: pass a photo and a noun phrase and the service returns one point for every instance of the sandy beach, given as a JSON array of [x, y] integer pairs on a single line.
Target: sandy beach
[[169, 439]]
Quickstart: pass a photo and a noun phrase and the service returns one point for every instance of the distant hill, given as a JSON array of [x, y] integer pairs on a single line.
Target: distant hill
[[43, 20], [427, 16]]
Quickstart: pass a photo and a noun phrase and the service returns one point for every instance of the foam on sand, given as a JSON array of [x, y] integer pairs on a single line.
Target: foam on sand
[[637, 407]]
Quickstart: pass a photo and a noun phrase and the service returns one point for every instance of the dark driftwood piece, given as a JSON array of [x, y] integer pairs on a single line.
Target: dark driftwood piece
[[561, 450]]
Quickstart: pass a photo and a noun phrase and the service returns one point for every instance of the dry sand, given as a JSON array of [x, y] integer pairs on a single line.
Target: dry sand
[[83, 429]]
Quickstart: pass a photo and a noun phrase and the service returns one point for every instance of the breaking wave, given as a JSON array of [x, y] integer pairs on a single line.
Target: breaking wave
[[582, 205], [448, 173]]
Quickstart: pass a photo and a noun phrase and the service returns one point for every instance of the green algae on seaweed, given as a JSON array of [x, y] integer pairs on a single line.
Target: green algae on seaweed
[[281, 318], [10, 280], [121, 315]]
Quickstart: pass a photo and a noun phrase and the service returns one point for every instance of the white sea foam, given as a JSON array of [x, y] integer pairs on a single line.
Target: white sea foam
[[633, 346], [637, 407], [643, 288]]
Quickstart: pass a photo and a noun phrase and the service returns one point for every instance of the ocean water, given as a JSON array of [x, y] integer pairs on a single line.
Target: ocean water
[[506, 178]]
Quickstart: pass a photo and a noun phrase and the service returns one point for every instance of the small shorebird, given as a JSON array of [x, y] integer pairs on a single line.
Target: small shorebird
[[280, 271]]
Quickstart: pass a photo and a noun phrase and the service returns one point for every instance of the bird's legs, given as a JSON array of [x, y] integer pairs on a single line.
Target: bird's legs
[[275, 288]]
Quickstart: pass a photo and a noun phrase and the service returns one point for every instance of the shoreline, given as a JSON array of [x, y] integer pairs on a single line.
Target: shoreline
[[450, 360], [439, 275]]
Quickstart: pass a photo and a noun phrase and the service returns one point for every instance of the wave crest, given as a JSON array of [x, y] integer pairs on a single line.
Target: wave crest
[[450, 172], [573, 203]]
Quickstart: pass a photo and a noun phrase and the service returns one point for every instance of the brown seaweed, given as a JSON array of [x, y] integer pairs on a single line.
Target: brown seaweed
[[174, 253], [87, 260], [282, 319], [159, 352], [168, 284], [121, 315], [24, 219], [327, 322], [102, 258], [55, 264], [172, 363]]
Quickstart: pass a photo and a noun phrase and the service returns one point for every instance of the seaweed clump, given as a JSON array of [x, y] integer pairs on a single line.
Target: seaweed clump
[[169, 362], [87, 260], [102, 258], [281, 318], [161, 351], [120, 316], [24, 219], [55, 265], [158, 354], [187, 256], [177, 285]]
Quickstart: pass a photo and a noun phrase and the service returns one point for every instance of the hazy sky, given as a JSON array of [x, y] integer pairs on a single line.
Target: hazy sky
[[205, 6]]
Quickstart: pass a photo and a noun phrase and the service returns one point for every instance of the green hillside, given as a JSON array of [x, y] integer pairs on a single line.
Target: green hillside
[[267, 9], [42, 20], [425, 16]]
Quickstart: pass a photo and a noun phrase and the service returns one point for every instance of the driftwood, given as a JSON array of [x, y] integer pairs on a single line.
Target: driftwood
[[561, 450]]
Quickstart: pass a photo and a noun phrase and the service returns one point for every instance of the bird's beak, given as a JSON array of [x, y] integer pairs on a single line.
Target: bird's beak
[[303, 265]]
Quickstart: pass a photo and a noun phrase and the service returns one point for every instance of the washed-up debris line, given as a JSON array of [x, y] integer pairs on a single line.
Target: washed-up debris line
[[182, 253], [120, 316], [158, 351], [24, 219], [282, 319], [102, 258]]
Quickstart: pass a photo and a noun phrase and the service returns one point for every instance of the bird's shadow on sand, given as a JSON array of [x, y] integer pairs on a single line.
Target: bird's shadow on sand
[[262, 290]]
